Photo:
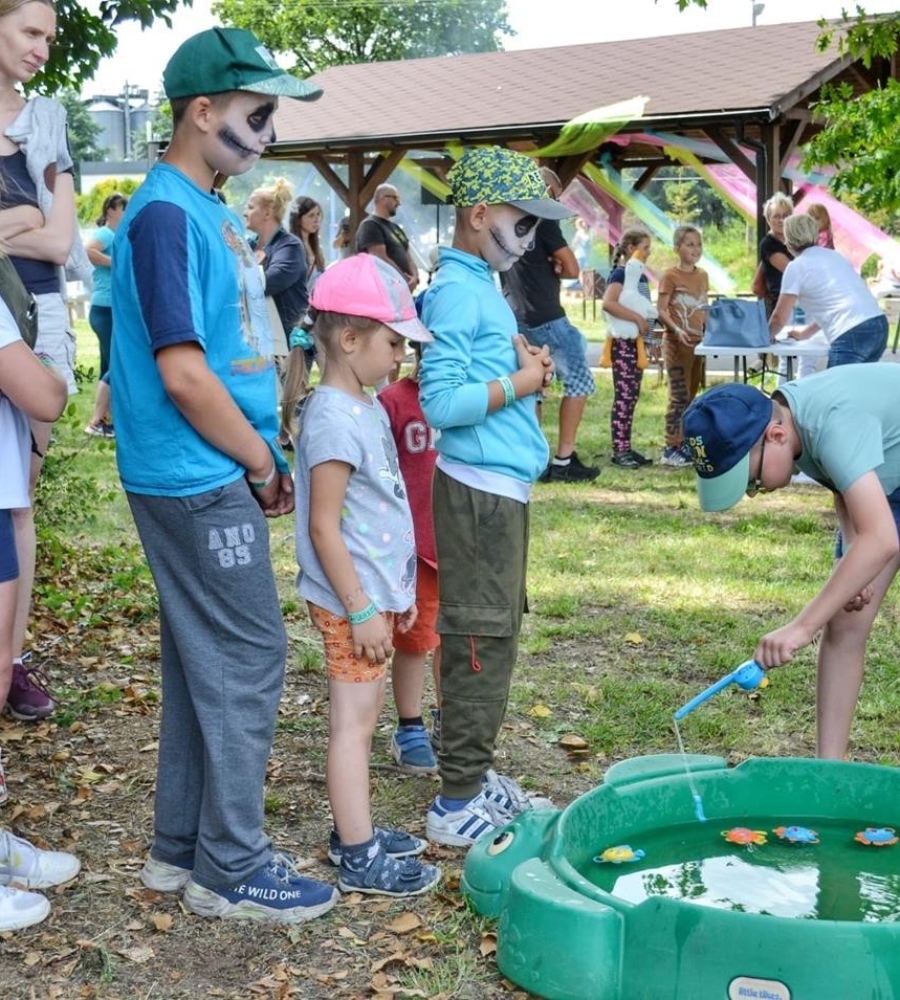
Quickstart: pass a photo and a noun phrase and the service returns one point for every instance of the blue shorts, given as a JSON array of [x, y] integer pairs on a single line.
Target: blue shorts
[[9, 560], [894, 502], [568, 349]]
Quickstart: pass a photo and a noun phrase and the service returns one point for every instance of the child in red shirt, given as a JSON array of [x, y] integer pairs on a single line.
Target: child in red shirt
[[410, 744]]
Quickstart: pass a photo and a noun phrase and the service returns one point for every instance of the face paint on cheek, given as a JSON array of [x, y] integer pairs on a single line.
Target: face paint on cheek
[[232, 141]]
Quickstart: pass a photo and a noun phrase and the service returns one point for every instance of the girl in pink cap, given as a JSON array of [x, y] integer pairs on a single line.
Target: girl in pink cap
[[356, 551]]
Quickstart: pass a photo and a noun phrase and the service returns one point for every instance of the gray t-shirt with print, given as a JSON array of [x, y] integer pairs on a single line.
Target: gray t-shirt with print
[[376, 524]]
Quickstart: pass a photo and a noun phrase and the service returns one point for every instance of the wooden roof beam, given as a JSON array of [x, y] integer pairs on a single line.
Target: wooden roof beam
[[733, 151], [789, 140]]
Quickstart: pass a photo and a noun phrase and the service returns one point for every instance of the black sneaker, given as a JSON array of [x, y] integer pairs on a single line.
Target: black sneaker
[[625, 460], [575, 472], [639, 458]]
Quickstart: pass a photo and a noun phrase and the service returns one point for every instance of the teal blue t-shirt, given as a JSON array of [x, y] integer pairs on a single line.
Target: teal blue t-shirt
[[183, 273], [848, 419], [102, 294]]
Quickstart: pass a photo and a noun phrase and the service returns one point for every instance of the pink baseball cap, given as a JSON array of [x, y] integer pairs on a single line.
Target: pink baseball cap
[[365, 285]]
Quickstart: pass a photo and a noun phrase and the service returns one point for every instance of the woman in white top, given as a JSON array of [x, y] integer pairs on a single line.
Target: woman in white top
[[833, 296]]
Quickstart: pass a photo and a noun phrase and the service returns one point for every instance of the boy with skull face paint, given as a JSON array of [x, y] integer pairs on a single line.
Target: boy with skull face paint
[[478, 386], [197, 455]]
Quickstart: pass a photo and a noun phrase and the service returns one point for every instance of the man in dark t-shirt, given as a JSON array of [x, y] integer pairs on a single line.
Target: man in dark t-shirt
[[378, 234], [531, 287]]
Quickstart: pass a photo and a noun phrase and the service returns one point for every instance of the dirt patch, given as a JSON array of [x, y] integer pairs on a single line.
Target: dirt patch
[[84, 782]]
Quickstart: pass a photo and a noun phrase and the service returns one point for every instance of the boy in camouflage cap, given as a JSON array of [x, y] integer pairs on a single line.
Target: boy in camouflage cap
[[478, 385]]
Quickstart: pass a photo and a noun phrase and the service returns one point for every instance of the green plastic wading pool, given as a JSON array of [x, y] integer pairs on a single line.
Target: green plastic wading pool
[[697, 917]]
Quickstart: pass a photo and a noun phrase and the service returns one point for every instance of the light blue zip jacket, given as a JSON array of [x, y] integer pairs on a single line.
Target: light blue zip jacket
[[473, 329]]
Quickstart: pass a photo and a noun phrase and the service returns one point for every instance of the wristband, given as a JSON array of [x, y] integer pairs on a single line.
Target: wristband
[[509, 393], [281, 463], [265, 482], [358, 617]]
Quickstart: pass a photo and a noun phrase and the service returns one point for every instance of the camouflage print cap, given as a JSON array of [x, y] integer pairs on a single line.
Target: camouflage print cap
[[492, 175]]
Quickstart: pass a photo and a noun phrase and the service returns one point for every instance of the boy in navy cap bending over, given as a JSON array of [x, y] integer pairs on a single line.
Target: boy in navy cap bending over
[[197, 454], [842, 428]]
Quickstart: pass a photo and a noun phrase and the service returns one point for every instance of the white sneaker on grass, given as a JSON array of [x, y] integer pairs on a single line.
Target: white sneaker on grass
[[28, 867], [501, 787], [462, 827], [20, 909], [163, 877]]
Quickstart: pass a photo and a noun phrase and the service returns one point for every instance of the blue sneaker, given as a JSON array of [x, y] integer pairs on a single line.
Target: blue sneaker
[[384, 876], [396, 844], [412, 750], [676, 458], [277, 893]]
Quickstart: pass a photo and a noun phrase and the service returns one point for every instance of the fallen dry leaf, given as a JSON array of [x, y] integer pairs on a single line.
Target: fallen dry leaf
[[404, 923], [161, 921], [488, 945], [139, 954], [540, 712]]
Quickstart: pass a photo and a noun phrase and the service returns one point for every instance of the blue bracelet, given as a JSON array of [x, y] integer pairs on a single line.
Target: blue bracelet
[[358, 617]]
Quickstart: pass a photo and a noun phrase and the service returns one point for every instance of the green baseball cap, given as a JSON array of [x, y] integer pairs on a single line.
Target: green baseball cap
[[223, 59], [492, 175]]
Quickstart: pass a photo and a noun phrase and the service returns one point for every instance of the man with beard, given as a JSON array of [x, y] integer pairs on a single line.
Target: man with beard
[[378, 234]]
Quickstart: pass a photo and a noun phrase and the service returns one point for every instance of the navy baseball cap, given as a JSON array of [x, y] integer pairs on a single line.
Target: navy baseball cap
[[720, 427]]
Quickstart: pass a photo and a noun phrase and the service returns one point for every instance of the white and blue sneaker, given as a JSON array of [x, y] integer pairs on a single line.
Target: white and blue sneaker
[[676, 458], [462, 827], [509, 797], [277, 893]]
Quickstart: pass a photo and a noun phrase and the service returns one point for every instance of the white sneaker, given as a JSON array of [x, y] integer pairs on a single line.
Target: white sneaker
[[160, 876], [21, 909], [26, 866], [510, 796], [464, 826]]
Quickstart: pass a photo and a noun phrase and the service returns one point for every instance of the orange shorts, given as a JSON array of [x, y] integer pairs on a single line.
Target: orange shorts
[[340, 663], [422, 638]]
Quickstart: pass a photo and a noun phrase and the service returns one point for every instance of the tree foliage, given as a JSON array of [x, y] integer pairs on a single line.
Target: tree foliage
[[90, 205], [83, 132], [323, 33], [85, 36]]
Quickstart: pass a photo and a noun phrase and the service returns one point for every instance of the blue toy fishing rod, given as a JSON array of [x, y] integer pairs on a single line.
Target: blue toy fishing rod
[[748, 676]]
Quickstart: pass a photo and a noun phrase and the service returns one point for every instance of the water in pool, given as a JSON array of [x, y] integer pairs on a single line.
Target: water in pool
[[836, 879]]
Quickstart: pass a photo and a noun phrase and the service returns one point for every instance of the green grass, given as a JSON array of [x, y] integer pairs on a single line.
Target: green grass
[[637, 599]]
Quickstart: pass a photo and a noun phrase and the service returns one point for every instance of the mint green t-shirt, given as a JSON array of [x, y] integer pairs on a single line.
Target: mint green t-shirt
[[848, 419]]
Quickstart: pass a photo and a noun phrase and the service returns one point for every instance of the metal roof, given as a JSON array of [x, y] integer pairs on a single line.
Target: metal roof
[[756, 72]]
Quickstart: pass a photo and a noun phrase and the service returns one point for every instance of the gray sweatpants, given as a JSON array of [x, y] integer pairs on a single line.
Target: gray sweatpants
[[482, 552], [223, 648]]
